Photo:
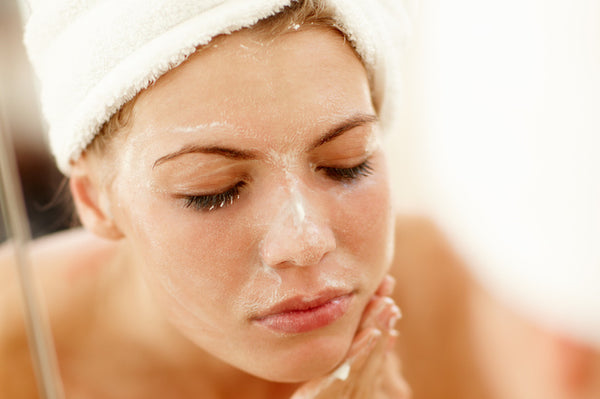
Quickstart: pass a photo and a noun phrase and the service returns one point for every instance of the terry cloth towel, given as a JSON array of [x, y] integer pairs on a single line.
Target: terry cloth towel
[[92, 56]]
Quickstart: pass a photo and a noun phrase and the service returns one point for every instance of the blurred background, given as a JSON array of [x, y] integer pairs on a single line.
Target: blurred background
[[48, 205]]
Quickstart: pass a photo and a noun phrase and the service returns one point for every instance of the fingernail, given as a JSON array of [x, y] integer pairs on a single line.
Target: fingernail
[[380, 307], [397, 311], [392, 321], [389, 301], [383, 317]]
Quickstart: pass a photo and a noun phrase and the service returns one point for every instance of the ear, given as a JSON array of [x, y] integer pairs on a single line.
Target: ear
[[578, 367], [91, 202]]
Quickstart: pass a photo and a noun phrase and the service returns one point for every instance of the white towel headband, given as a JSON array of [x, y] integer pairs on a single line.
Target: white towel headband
[[92, 56]]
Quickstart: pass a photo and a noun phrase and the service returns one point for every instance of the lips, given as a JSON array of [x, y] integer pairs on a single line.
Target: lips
[[303, 314]]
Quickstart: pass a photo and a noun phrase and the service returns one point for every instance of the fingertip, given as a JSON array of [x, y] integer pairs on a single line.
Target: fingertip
[[396, 314], [366, 341], [374, 335], [387, 286], [373, 309], [364, 347]]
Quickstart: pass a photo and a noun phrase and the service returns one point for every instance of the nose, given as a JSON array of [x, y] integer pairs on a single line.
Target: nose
[[298, 235]]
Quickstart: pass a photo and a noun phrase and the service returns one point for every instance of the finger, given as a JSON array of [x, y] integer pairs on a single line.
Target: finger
[[387, 323], [362, 379], [361, 372], [387, 286], [382, 313], [375, 306], [362, 346], [392, 339], [334, 384], [372, 370], [389, 317], [393, 384]]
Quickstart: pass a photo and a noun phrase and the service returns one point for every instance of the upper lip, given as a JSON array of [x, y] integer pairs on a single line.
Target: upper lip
[[303, 302]]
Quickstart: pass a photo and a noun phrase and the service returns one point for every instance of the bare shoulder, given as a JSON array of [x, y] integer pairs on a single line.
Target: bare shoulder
[[423, 248], [67, 265], [419, 234], [433, 292]]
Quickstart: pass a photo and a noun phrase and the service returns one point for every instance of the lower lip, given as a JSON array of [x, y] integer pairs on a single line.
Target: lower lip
[[300, 321]]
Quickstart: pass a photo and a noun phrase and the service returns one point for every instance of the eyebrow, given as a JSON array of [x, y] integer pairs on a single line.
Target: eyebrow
[[348, 124], [336, 131], [192, 148]]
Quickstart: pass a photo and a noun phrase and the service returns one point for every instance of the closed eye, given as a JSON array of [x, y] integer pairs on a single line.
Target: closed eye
[[211, 202], [348, 174]]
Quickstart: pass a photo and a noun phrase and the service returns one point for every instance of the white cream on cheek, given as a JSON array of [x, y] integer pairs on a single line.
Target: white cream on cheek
[[342, 372], [290, 205], [294, 222]]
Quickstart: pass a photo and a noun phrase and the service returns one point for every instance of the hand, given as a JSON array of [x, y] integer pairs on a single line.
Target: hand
[[371, 368]]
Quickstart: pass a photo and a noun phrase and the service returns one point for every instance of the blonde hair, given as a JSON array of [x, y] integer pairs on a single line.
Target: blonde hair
[[301, 13]]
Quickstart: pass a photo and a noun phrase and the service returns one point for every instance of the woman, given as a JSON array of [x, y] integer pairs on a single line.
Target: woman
[[238, 210]]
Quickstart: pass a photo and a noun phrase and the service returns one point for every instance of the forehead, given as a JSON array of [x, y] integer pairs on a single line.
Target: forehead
[[249, 85]]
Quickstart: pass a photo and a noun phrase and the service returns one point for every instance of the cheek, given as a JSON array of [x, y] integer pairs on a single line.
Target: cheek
[[218, 253], [364, 224], [183, 253], [200, 267]]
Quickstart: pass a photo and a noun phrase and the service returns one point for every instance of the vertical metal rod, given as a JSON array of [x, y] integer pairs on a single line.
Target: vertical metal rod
[[38, 328]]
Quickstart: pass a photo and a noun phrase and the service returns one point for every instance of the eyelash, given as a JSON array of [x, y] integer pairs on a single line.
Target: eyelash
[[211, 202], [214, 201], [349, 174]]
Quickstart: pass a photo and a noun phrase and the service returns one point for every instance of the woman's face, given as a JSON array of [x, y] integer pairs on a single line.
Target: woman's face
[[253, 194]]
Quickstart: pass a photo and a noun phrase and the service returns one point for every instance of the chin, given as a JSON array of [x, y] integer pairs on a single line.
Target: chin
[[304, 362]]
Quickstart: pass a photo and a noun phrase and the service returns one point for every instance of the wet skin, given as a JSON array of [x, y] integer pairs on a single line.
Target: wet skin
[[250, 183]]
